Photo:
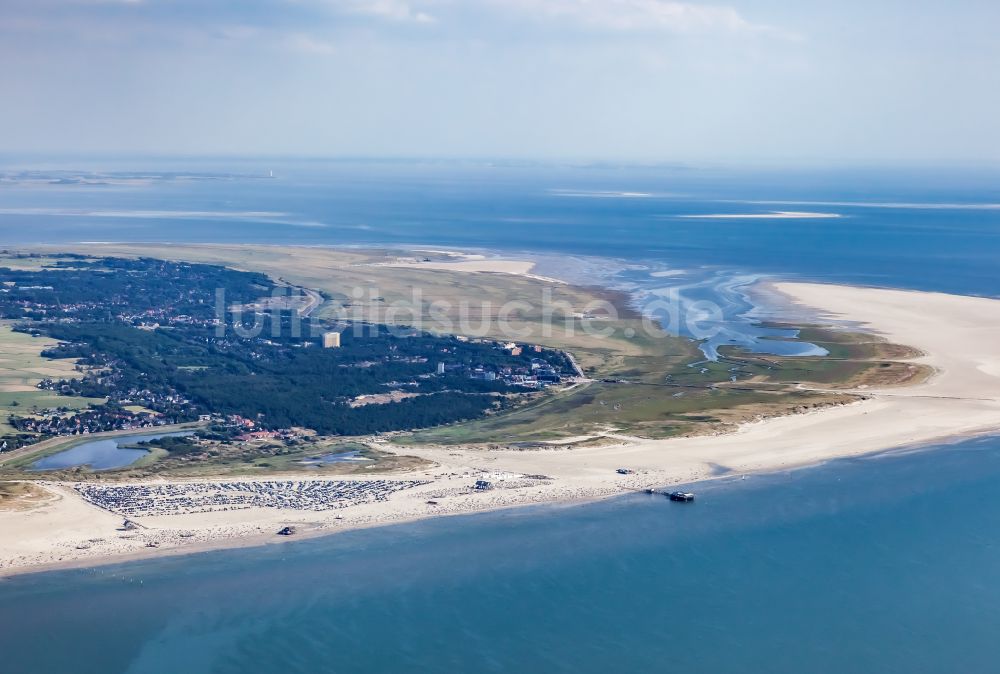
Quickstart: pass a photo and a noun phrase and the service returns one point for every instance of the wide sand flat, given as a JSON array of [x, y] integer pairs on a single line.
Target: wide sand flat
[[957, 335], [478, 265]]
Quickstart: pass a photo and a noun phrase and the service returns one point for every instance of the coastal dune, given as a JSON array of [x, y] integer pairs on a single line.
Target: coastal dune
[[956, 335]]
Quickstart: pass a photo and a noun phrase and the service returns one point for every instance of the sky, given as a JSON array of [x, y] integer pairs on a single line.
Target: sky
[[840, 81]]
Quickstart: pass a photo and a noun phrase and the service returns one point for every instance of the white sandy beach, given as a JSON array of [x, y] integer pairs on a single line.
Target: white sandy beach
[[957, 335]]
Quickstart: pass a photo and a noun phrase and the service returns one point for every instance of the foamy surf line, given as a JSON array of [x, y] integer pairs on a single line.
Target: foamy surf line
[[155, 214], [927, 205], [773, 215], [601, 194]]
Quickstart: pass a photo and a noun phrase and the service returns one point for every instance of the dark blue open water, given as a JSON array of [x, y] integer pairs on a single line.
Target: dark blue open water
[[939, 231], [884, 564]]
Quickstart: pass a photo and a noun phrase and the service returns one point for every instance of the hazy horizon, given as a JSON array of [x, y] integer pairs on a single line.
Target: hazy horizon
[[140, 161]]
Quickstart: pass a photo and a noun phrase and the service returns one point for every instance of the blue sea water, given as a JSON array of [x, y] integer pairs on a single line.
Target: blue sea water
[[880, 564], [929, 230], [884, 564]]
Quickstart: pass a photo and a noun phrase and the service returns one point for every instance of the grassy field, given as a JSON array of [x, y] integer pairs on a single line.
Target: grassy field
[[262, 458], [21, 368], [662, 395]]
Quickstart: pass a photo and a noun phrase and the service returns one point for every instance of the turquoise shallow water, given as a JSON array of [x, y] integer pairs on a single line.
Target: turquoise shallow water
[[883, 564]]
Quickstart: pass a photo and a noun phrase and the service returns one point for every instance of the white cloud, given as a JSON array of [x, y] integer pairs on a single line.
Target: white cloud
[[395, 10], [307, 44], [238, 32], [638, 15]]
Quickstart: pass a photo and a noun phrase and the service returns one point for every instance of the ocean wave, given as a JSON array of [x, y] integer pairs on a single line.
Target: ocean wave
[[943, 205], [155, 214], [602, 194], [772, 215]]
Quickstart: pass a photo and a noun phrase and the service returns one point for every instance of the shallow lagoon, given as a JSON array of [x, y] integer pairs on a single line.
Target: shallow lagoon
[[102, 454], [352, 456]]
